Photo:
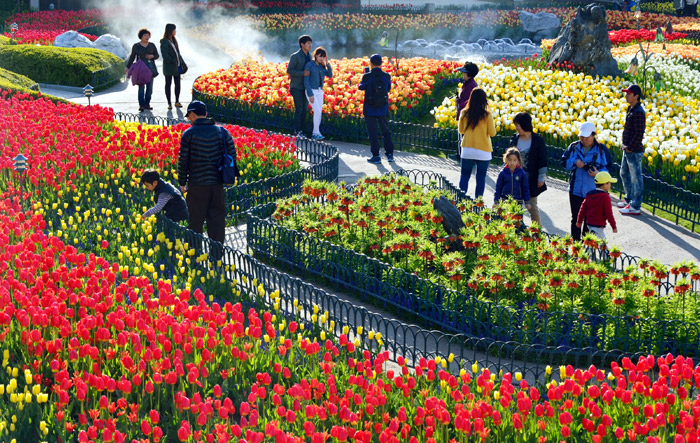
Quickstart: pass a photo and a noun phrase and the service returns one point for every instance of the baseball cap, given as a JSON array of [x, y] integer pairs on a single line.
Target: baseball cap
[[197, 107], [469, 68], [376, 59], [586, 129], [604, 177], [634, 89]]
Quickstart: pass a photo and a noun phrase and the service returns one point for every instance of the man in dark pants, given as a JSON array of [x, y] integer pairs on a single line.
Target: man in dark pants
[[376, 109], [296, 72], [201, 151]]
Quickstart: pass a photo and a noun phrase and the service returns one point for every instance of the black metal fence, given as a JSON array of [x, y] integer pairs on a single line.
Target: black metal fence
[[321, 158], [436, 306], [297, 300], [659, 195]]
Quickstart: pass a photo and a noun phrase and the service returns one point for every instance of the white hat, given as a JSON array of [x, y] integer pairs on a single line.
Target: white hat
[[586, 129]]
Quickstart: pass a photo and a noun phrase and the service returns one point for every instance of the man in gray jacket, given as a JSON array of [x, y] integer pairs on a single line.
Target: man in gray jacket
[[296, 72]]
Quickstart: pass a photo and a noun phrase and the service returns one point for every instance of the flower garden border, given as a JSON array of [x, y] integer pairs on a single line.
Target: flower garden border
[[434, 305], [659, 195], [321, 157], [298, 298]]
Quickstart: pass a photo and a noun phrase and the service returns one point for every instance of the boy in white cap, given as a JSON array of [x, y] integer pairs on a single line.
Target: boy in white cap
[[596, 209]]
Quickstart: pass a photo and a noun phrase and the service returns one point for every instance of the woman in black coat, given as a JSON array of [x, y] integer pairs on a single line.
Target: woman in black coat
[[533, 152], [173, 64]]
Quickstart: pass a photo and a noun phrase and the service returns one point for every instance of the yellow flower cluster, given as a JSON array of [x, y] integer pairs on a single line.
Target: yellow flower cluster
[[559, 101]]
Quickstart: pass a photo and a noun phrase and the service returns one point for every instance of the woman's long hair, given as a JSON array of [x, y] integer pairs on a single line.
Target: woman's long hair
[[169, 28], [476, 108]]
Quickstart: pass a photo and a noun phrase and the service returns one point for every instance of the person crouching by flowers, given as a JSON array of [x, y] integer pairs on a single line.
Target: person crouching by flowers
[[584, 159], [168, 198], [318, 69], [512, 180], [477, 127], [533, 151]]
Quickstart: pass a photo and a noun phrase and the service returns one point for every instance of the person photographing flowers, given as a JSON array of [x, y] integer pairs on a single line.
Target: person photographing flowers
[[584, 159], [318, 69]]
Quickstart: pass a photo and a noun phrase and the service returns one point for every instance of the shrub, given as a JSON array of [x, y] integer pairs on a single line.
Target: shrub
[[4, 40], [60, 66]]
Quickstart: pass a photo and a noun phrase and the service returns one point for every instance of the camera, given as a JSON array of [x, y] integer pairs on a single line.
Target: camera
[[592, 166]]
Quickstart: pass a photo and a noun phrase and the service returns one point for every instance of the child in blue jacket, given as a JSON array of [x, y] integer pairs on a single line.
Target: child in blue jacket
[[512, 181]]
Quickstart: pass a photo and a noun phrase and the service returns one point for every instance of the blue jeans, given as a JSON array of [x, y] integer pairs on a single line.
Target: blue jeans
[[145, 92], [481, 167], [632, 179]]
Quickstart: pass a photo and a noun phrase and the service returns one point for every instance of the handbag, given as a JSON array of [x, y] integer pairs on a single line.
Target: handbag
[[150, 63], [228, 165], [182, 67]]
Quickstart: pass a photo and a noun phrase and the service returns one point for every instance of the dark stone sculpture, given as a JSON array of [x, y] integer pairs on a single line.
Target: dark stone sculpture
[[584, 41], [451, 217]]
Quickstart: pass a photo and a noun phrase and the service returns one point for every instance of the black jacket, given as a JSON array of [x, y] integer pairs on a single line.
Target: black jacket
[[176, 208], [536, 159], [201, 152]]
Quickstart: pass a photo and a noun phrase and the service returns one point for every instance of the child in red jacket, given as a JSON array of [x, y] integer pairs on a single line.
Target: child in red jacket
[[597, 207]]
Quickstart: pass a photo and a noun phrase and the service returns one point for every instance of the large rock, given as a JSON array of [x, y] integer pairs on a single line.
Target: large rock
[[110, 43], [71, 39], [451, 217], [540, 22], [584, 42]]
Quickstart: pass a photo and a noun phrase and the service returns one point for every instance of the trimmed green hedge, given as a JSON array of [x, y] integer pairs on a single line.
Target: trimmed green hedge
[[60, 66], [4, 40], [15, 83]]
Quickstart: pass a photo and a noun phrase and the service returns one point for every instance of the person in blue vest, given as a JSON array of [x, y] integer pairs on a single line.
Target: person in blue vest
[[584, 159], [377, 84], [167, 197]]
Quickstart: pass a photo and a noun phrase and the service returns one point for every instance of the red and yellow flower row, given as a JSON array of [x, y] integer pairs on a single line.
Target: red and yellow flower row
[[268, 84]]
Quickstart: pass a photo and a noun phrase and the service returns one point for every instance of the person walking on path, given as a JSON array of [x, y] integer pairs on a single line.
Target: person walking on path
[[596, 209], [633, 152], [469, 71], [533, 151], [477, 127], [512, 180], [296, 72], [377, 84], [201, 151], [584, 159], [173, 64], [318, 69], [147, 52]]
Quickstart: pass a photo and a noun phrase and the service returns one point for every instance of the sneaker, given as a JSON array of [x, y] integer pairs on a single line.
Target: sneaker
[[149, 107], [629, 210], [141, 109], [390, 158], [622, 204], [375, 160], [318, 137], [170, 106], [178, 105], [300, 135]]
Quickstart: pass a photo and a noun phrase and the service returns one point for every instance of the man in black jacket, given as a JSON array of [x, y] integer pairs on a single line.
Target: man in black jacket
[[199, 171], [296, 72]]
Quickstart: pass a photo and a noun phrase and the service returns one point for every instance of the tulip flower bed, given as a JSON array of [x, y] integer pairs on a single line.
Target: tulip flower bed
[[92, 353], [44, 26], [559, 101], [413, 84], [391, 219], [628, 36]]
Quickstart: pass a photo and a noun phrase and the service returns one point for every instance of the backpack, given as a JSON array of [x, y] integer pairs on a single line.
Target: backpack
[[378, 96], [228, 165]]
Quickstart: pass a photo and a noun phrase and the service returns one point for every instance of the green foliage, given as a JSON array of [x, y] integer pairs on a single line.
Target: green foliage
[[59, 66], [4, 40], [19, 80]]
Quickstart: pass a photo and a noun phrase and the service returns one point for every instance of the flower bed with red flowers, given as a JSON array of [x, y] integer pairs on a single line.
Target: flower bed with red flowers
[[44, 26], [97, 345], [502, 273], [413, 84]]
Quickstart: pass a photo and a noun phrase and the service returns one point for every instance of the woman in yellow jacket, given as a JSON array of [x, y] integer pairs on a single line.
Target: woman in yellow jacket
[[476, 126]]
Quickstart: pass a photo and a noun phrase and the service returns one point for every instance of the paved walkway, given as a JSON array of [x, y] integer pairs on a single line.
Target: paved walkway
[[644, 236]]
